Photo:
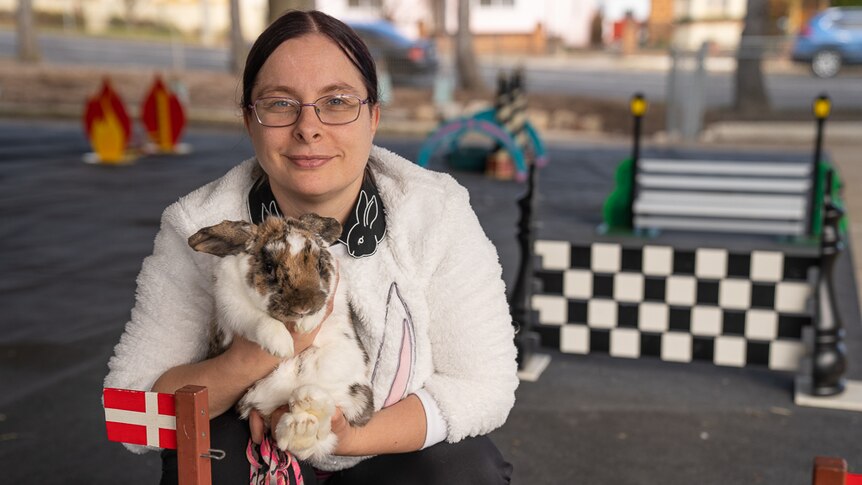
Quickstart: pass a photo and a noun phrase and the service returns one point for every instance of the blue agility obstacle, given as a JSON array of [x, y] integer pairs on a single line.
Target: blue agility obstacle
[[505, 124]]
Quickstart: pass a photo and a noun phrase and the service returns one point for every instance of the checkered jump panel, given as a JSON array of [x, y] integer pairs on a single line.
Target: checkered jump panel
[[730, 308]]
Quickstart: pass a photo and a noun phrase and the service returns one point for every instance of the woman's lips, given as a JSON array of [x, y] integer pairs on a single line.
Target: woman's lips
[[308, 161]]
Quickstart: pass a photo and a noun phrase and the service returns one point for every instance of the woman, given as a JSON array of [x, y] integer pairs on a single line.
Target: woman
[[422, 261]]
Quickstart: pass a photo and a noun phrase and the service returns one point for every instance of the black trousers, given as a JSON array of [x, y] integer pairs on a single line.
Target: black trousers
[[473, 461]]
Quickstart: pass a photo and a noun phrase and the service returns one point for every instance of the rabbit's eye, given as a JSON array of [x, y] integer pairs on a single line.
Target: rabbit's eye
[[268, 267]]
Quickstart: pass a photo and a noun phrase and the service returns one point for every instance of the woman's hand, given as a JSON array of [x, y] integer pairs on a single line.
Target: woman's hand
[[302, 341], [247, 358], [345, 433]]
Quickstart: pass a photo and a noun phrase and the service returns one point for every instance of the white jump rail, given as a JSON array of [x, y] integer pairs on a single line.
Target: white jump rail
[[753, 197]]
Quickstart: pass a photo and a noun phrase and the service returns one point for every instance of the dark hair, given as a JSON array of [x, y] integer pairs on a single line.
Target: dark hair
[[296, 23]]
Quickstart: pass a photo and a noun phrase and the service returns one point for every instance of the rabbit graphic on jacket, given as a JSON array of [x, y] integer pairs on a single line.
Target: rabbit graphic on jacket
[[280, 275]]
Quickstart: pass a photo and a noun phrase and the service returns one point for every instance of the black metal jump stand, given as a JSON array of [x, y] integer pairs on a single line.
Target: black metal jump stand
[[637, 106], [830, 355], [526, 340]]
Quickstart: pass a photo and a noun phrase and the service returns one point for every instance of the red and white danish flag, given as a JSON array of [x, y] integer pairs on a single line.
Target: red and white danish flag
[[141, 418]]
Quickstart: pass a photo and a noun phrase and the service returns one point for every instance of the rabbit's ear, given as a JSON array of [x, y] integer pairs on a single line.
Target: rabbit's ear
[[371, 212], [327, 228], [227, 237]]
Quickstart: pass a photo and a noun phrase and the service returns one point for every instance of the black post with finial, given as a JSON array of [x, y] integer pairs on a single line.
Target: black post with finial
[[526, 339], [638, 107], [821, 107], [830, 355]]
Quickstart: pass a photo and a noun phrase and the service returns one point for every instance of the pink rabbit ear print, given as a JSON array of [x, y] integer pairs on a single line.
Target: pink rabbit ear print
[[396, 356], [367, 226]]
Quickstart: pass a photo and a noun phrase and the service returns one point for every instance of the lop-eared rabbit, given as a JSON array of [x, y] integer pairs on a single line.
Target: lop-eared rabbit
[[280, 275]]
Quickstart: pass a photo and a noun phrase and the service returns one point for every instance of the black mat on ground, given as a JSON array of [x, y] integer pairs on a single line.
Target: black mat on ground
[[73, 237]]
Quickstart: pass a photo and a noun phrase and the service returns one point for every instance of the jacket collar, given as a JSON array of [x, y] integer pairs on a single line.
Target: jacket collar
[[365, 227]]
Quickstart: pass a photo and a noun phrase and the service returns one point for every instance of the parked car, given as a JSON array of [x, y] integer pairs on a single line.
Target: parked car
[[409, 62], [831, 39]]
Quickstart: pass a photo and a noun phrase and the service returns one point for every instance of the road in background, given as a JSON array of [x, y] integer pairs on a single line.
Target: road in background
[[588, 75]]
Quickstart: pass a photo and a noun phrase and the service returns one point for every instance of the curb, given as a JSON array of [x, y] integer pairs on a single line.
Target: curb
[[725, 132]]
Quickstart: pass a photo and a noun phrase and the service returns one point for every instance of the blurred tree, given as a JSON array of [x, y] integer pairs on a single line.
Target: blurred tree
[[749, 90], [130, 12], [438, 17], [596, 29], [469, 77], [278, 7], [847, 3], [238, 49], [28, 43]]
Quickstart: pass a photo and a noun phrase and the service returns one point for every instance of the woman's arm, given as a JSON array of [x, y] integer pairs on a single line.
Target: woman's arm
[[475, 372], [399, 428], [228, 375]]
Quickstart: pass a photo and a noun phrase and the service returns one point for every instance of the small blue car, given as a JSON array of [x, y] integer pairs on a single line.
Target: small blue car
[[831, 39]]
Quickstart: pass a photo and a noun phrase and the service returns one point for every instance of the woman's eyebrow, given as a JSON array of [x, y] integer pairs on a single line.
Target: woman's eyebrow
[[281, 90], [275, 91], [339, 86]]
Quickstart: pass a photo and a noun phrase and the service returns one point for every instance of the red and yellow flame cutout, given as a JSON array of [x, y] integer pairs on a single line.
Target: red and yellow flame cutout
[[107, 125], [163, 116]]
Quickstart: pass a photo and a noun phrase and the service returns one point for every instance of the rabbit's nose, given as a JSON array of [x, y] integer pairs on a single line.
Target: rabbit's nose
[[302, 310]]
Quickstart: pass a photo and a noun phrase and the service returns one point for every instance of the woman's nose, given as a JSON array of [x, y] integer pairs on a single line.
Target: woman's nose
[[308, 126]]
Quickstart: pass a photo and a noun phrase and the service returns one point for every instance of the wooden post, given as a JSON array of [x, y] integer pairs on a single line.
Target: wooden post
[[193, 436], [829, 471]]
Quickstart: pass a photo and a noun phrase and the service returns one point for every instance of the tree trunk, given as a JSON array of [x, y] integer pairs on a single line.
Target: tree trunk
[[750, 92], [277, 7], [438, 16], [469, 77], [238, 50], [28, 43]]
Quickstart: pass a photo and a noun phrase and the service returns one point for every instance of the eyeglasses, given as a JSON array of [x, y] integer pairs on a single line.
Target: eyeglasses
[[335, 109]]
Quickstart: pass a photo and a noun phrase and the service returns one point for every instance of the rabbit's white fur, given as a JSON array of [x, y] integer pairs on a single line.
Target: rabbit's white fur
[[330, 373], [334, 371], [242, 309]]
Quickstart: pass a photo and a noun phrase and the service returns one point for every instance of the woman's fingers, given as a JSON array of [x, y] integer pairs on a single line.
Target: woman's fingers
[[277, 414], [256, 425]]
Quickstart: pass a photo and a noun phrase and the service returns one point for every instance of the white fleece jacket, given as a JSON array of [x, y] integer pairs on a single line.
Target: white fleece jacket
[[431, 299]]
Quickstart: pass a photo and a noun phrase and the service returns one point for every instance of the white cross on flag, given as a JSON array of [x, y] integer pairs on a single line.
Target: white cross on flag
[[141, 418]]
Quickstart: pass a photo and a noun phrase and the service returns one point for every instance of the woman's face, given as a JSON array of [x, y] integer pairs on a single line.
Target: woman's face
[[310, 163]]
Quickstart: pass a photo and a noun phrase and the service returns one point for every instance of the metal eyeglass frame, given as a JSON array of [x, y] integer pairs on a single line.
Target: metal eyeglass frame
[[362, 102]]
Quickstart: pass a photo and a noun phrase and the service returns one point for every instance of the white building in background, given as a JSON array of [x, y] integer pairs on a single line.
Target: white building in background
[[566, 22], [206, 19]]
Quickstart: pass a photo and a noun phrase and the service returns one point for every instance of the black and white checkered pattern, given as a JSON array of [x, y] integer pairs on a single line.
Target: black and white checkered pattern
[[730, 308]]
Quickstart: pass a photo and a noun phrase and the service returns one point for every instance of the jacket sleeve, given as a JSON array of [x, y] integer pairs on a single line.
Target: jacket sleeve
[[173, 308], [472, 337]]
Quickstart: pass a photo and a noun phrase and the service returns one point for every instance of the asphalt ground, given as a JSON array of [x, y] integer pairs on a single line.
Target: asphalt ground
[[74, 235]]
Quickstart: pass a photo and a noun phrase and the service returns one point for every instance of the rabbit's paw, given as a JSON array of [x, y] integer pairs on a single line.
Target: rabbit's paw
[[275, 338], [247, 404], [265, 395], [306, 430]]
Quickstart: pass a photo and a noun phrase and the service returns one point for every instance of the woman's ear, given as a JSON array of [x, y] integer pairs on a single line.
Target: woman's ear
[[246, 113], [375, 118]]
